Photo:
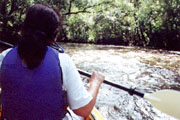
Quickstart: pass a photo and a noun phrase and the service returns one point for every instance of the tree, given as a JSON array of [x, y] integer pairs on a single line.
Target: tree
[[154, 23], [11, 17]]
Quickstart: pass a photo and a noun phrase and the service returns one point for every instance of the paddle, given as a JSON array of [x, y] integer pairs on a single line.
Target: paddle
[[167, 101]]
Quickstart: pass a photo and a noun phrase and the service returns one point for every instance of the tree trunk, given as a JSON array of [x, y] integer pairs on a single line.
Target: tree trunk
[[4, 19]]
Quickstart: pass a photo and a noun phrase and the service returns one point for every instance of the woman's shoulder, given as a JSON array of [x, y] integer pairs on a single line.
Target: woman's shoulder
[[64, 57], [3, 54]]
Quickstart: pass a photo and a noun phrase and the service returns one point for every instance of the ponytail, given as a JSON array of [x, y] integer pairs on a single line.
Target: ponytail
[[32, 48]]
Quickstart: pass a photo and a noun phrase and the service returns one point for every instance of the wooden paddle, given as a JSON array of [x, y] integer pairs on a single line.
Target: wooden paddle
[[167, 101]]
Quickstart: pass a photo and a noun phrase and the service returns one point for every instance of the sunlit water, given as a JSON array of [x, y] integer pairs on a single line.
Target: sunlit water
[[144, 69]]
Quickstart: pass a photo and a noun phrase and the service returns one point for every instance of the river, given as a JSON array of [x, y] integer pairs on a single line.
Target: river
[[147, 70]]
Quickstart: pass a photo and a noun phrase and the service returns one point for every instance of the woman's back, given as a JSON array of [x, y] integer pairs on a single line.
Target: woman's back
[[28, 91]]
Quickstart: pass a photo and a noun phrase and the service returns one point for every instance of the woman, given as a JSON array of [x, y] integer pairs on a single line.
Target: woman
[[34, 76]]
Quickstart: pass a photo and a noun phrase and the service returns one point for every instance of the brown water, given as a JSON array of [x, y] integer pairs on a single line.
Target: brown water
[[146, 70]]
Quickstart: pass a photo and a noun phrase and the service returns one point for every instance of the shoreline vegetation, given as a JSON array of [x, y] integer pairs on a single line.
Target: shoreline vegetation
[[139, 23], [4, 45]]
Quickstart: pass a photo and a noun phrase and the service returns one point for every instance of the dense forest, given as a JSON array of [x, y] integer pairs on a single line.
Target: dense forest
[[147, 23]]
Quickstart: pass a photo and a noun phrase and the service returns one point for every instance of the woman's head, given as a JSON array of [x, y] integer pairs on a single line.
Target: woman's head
[[39, 30], [42, 18]]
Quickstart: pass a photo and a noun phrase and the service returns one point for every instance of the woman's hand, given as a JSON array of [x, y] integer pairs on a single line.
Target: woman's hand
[[96, 79], [95, 82]]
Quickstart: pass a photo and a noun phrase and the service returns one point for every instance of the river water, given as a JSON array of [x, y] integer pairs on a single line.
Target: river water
[[146, 70]]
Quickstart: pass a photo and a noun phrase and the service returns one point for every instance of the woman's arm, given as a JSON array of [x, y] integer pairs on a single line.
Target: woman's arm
[[95, 82], [80, 100]]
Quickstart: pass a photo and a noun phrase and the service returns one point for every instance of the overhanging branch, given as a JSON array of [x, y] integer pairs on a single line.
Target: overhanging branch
[[84, 10]]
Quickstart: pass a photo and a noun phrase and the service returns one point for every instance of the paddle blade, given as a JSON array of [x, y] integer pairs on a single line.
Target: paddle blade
[[167, 101]]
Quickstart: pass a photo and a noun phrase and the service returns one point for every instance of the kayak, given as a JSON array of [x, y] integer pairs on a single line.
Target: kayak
[[95, 115]]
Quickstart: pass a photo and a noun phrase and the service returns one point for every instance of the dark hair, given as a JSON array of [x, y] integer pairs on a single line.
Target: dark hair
[[39, 30]]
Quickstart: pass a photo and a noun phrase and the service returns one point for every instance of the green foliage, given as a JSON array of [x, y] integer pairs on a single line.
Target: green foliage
[[154, 23], [77, 29]]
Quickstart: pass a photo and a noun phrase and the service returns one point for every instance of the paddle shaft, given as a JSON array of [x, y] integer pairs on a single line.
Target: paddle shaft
[[131, 91], [6, 44]]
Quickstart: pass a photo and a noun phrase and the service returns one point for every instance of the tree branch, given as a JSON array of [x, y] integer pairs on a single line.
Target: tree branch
[[69, 9], [12, 7], [84, 10]]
